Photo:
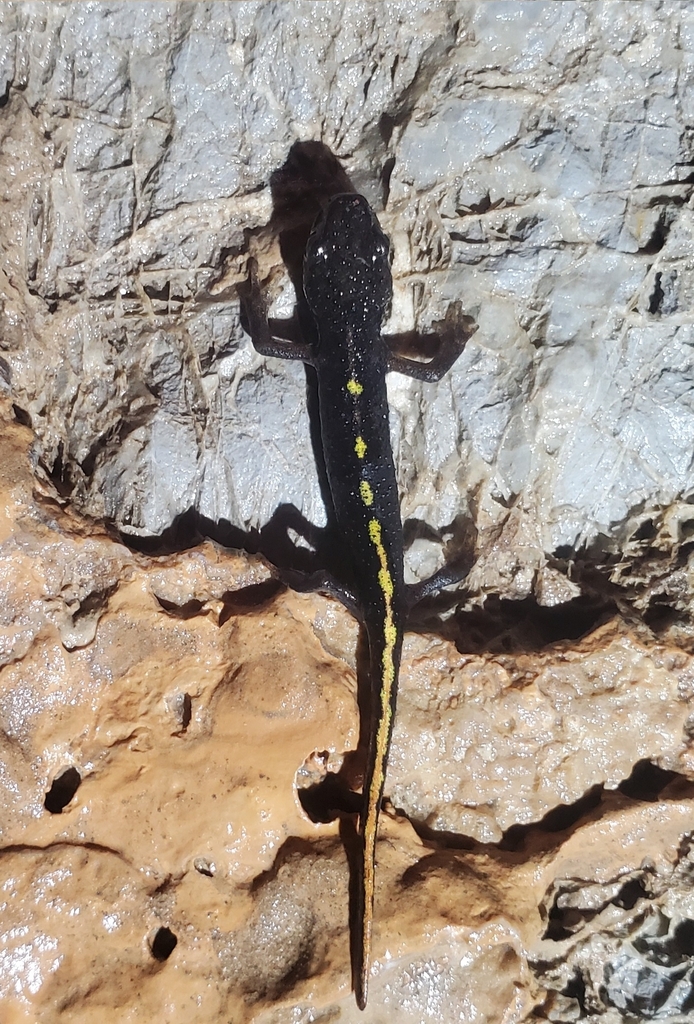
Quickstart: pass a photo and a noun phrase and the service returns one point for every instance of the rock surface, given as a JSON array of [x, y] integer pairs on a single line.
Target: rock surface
[[537, 168], [178, 735], [162, 718]]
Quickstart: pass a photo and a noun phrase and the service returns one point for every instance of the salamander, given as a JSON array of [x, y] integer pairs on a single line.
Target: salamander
[[348, 289]]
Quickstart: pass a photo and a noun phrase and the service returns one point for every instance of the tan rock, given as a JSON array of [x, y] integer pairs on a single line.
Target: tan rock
[[158, 715], [484, 743]]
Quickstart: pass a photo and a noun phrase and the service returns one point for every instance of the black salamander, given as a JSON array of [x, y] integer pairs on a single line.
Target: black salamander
[[348, 288]]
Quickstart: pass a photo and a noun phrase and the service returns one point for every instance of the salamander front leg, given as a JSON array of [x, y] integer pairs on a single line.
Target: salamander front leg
[[451, 336], [264, 333]]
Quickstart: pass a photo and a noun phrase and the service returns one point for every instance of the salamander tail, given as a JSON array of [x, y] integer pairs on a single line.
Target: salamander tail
[[365, 904], [385, 644]]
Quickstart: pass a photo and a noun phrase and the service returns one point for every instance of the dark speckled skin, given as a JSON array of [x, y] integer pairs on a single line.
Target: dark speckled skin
[[348, 288]]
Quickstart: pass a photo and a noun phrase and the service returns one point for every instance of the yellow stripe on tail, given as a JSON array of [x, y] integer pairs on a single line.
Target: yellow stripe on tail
[[376, 779]]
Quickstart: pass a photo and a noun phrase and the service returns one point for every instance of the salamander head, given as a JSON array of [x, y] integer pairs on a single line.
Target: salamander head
[[346, 267]]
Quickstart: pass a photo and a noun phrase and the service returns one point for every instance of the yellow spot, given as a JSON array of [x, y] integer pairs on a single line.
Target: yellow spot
[[385, 582], [367, 495], [375, 532], [390, 632], [360, 447], [354, 387]]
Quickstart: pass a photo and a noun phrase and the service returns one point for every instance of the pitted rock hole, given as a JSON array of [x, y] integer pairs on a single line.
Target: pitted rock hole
[[62, 790], [163, 944], [323, 793], [204, 866], [184, 710]]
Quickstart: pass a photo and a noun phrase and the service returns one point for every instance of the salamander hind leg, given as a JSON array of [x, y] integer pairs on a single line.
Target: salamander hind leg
[[446, 576], [320, 581]]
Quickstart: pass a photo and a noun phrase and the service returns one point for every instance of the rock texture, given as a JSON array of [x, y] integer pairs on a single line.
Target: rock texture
[[179, 736], [536, 167], [161, 719]]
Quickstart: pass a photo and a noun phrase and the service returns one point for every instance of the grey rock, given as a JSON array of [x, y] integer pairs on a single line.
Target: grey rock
[[539, 175]]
